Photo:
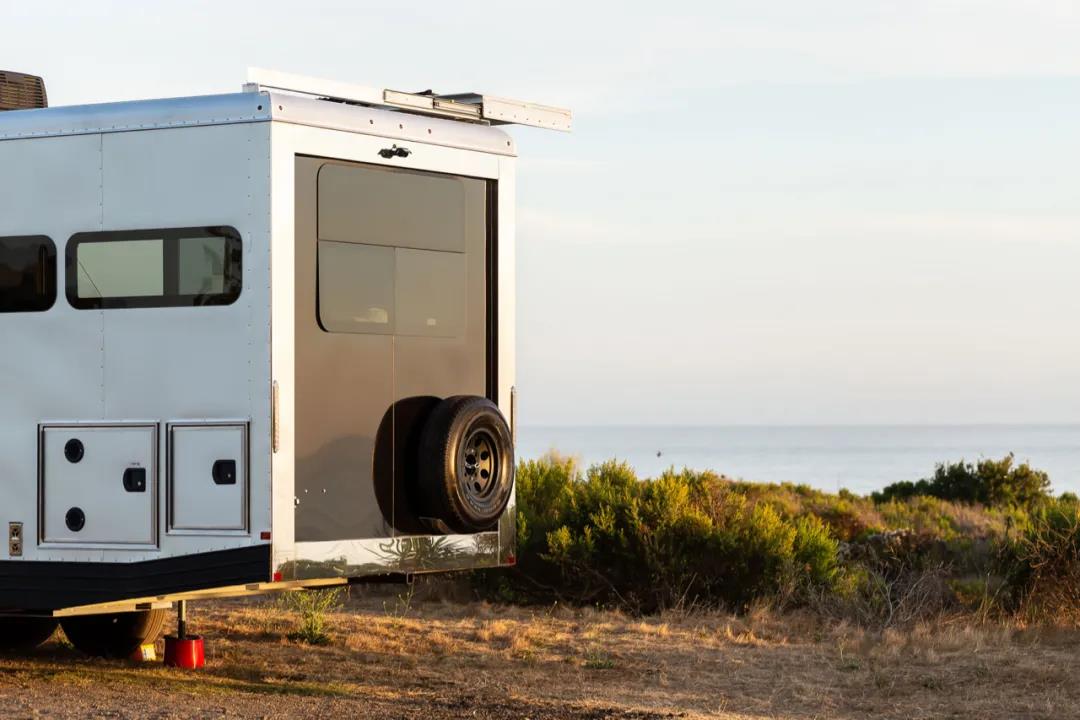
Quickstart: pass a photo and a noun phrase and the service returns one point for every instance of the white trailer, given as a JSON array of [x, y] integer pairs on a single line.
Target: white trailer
[[251, 341]]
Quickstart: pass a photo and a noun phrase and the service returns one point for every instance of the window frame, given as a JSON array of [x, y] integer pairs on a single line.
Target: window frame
[[51, 275], [170, 296]]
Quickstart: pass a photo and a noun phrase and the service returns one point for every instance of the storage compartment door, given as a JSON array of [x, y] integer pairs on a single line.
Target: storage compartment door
[[99, 484], [208, 478]]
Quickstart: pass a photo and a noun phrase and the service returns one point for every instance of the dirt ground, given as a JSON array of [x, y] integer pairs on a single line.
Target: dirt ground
[[393, 657]]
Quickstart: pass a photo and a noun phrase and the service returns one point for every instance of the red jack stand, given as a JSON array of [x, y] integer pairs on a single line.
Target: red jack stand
[[183, 650]]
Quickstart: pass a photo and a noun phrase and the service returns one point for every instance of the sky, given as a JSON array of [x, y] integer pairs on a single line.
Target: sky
[[845, 211]]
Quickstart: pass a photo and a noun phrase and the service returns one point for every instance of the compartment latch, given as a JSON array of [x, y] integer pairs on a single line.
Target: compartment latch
[[135, 480], [224, 472]]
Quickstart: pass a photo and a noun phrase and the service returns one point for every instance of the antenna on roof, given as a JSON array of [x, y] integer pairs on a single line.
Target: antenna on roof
[[19, 91], [471, 107]]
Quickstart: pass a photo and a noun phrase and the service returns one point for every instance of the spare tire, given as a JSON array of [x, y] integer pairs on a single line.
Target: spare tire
[[466, 465]]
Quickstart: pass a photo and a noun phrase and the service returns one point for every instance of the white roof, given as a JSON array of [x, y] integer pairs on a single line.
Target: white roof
[[246, 107]]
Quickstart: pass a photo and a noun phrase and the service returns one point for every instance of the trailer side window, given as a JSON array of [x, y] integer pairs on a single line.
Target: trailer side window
[[27, 274], [393, 249], [175, 267]]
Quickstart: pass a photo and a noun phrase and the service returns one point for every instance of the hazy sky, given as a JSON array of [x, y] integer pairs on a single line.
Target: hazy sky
[[789, 211]]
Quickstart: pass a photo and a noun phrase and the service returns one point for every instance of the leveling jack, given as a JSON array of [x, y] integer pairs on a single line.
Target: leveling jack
[[183, 650]]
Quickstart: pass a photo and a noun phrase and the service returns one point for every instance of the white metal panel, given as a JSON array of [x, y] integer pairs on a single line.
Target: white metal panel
[[507, 283], [94, 485], [283, 344], [48, 188], [204, 363], [197, 502], [325, 143], [192, 362], [179, 178], [155, 364], [507, 351], [134, 115], [249, 107], [388, 125]]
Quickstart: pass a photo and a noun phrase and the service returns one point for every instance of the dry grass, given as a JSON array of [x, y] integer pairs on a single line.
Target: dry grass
[[412, 659]]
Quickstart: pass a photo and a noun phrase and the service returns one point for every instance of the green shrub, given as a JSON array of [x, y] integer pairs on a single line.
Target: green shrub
[[846, 515], [312, 607], [987, 538], [997, 483], [816, 551], [685, 537], [1042, 563]]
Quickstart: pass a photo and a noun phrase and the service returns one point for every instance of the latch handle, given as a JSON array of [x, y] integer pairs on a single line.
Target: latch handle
[[135, 480], [224, 472]]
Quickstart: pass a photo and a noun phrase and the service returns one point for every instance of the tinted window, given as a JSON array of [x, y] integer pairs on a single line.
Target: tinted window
[[392, 250], [132, 268], [430, 292], [400, 208], [174, 267], [27, 274], [356, 288]]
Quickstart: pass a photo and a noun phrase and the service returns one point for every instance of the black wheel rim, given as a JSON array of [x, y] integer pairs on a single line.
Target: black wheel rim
[[479, 468]]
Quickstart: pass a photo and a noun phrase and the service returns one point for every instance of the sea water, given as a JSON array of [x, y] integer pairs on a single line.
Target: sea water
[[861, 458]]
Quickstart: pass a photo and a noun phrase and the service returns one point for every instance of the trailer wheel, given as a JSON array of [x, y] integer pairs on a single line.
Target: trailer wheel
[[117, 635], [466, 464], [25, 633]]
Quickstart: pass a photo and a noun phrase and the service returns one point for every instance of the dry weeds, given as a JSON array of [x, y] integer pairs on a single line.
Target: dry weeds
[[410, 659]]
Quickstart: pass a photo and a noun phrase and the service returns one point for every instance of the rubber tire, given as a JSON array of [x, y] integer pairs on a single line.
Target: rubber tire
[[117, 635], [439, 493], [25, 633]]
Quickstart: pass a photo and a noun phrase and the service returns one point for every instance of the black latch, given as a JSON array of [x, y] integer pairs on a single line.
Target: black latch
[[395, 151], [225, 472], [135, 479]]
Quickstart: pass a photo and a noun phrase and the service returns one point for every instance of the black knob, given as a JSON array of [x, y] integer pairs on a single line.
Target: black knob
[[75, 519], [74, 450]]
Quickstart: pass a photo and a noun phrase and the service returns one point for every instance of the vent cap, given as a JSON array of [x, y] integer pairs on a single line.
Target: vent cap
[[19, 91]]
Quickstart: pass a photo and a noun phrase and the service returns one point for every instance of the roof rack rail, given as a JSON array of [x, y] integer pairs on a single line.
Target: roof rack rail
[[470, 107]]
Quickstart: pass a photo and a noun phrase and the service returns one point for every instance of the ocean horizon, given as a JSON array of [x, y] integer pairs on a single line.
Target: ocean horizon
[[860, 458]]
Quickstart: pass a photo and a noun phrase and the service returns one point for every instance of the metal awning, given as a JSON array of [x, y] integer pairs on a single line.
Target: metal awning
[[470, 107]]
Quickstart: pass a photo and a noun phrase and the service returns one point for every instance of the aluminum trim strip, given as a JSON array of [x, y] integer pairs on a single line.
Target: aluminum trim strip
[[135, 115]]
